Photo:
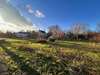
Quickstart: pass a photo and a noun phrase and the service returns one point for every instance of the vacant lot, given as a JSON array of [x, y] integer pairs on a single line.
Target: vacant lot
[[27, 57]]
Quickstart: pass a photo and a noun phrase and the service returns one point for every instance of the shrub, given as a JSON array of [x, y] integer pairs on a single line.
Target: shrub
[[52, 39], [41, 40], [96, 38], [2, 40], [26, 49]]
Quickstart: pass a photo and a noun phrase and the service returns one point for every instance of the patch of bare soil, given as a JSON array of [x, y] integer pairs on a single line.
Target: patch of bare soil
[[27, 49]]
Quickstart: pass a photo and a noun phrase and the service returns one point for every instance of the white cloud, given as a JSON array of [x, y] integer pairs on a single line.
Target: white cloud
[[4, 26], [21, 14], [39, 14], [29, 9], [11, 19]]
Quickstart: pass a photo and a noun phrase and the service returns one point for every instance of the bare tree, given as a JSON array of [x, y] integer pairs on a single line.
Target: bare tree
[[54, 28], [32, 34], [79, 28], [69, 34], [98, 27], [56, 31]]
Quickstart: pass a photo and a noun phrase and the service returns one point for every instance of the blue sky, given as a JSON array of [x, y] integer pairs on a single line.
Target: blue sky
[[59, 12]]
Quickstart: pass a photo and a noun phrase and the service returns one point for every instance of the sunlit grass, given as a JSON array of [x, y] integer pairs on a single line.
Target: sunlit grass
[[51, 58]]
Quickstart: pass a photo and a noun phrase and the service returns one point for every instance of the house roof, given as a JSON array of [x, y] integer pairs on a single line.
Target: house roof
[[42, 31]]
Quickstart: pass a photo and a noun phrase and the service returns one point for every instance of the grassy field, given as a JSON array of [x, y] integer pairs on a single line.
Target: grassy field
[[28, 57]]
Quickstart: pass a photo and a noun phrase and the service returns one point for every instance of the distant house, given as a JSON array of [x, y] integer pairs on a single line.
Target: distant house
[[42, 34], [21, 34]]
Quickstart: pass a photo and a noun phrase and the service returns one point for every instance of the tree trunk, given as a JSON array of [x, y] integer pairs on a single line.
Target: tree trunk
[[77, 37]]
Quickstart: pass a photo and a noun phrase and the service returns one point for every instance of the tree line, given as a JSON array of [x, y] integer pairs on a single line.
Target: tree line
[[59, 34]]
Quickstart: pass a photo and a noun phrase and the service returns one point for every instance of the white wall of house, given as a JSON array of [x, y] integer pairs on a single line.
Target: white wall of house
[[21, 35], [40, 34]]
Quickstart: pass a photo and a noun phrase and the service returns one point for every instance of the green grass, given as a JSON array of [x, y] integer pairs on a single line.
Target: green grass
[[52, 58]]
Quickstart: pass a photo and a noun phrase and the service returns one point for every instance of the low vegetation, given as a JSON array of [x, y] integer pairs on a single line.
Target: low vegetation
[[28, 57], [41, 40]]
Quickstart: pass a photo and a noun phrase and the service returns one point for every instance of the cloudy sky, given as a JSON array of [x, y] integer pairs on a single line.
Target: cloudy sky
[[16, 15], [12, 20]]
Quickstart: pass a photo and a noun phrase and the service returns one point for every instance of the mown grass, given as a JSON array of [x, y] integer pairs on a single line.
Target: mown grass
[[51, 58]]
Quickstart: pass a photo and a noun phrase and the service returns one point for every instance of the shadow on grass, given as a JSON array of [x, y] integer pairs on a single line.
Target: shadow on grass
[[72, 46], [40, 61], [67, 44], [23, 66]]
